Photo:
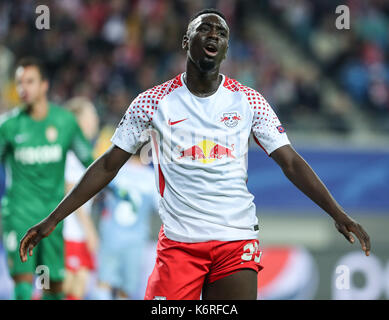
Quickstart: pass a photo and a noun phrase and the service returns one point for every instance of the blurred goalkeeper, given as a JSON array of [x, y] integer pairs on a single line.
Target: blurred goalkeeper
[[200, 124], [34, 140], [128, 205]]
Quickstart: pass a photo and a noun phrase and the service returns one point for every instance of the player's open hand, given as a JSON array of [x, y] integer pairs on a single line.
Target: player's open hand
[[33, 236], [346, 226]]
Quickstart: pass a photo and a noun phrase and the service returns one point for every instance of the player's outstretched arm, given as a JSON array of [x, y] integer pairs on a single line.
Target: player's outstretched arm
[[96, 177], [303, 177]]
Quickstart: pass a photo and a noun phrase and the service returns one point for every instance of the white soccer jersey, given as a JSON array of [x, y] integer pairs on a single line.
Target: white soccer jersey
[[200, 155], [72, 229]]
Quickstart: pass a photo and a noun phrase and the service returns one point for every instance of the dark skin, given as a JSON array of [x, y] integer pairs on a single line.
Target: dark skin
[[202, 79]]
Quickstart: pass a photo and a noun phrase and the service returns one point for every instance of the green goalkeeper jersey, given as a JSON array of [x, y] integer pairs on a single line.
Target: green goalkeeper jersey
[[34, 154]]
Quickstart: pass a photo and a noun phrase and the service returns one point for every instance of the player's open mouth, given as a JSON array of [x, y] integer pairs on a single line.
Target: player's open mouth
[[210, 50]]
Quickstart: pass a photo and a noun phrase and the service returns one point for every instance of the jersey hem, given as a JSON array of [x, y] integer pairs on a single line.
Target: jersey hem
[[118, 142], [179, 238], [277, 147]]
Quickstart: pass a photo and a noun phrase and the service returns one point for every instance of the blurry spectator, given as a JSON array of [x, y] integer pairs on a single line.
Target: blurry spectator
[[327, 42], [6, 63], [372, 25], [2, 182], [307, 91], [79, 231], [129, 201], [358, 56], [298, 13], [109, 51]]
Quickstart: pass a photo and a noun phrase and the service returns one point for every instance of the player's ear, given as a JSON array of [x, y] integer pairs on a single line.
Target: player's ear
[[185, 42]]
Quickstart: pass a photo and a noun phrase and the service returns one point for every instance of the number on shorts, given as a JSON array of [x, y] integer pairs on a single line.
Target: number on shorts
[[252, 247]]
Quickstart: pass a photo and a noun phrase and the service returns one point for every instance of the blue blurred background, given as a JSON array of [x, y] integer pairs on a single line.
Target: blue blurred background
[[357, 179]]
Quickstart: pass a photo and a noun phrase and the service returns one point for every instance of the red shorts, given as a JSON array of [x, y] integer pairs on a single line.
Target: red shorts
[[77, 255], [181, 269]]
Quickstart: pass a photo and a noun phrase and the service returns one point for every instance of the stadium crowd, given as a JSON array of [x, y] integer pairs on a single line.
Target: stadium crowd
[[357, 57], [111, 51]]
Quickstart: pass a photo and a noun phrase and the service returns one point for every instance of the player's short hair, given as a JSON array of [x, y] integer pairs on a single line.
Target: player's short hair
[[207, 11], [35, 62]]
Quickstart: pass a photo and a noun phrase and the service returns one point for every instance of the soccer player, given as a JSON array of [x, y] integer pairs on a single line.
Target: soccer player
[[2, 181], [79, 232], [124, 230], [34, 140], [200, 123]]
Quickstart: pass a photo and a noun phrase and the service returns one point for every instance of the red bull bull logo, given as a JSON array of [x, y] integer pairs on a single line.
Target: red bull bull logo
[[219, 151], [230, 119], [194, 152], [206, 152]]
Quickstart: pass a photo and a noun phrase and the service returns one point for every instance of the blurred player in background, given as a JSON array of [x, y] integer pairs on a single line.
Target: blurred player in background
[[128, 203], [200, 124], [2, 190], [2, 181], [79, 232], [34, 141]]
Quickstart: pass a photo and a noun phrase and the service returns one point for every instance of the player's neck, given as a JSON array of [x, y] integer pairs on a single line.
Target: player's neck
[[39, 110], [201, 83]]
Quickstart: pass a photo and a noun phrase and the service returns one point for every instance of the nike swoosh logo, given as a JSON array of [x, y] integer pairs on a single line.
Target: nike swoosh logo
[[172, 123]]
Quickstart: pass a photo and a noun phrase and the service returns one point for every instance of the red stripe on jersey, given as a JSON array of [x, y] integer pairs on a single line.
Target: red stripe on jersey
[[257, 141], [161, 179]]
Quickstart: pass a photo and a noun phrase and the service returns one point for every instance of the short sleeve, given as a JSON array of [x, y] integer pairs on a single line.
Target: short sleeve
[[267, 129], [132, 131]]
